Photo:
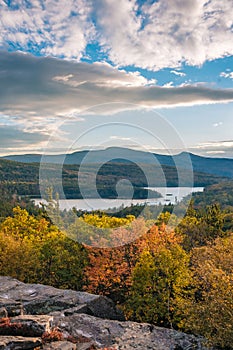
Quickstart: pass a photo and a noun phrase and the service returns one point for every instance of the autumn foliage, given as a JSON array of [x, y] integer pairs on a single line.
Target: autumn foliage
[[180, 278]]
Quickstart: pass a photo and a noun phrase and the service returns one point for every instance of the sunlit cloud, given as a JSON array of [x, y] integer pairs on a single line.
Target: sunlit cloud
[[215, 152], [151, 35], [165, 33], [120, 138], [31, 91], [215, 144]]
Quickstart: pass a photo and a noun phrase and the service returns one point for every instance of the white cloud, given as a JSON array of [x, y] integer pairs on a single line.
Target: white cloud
[[13, 137], [103, 74], [181, 74], [219, 145], [57, 28], [166, 33], [227, 75], [168, 85], [153, 36]]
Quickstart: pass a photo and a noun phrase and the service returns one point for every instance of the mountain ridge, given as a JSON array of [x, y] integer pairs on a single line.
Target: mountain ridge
[[185, 160]]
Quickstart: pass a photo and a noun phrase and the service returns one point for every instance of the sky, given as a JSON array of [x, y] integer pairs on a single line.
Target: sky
[[89, 74]]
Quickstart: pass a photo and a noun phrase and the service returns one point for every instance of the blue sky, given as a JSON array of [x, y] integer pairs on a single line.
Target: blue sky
[[153, 75]]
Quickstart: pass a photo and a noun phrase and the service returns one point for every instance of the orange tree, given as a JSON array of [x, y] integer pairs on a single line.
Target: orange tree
[[109, 269]]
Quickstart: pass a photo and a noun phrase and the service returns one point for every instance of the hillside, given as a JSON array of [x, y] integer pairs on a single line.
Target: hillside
[[221, 193], [214, 166], [23, 178]]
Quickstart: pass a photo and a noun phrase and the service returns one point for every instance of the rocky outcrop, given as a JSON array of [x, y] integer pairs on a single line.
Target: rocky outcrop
[[38, 299], [42, 317], [126, 335]]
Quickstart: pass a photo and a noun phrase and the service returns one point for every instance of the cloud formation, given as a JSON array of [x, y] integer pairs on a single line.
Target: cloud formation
[[227, 75], [35, 88], [56, 28], [38, 93], [13, 138], [148, 35], [214, 149], [166, 33], [181, 74]]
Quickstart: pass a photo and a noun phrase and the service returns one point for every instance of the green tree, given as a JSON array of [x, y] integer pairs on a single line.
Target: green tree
[[199, 227], [161, 280]]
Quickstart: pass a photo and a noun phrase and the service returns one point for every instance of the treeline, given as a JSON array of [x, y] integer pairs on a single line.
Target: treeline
[[179, 277]]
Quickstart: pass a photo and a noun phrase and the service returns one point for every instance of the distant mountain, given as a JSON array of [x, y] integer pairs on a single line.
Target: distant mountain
[[93, 156], [214, 166]]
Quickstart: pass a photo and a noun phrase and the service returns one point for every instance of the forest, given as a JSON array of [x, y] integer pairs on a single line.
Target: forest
[[162, 270], [23, 179]]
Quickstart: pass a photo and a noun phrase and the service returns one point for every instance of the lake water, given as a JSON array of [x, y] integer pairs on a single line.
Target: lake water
[[169, 195]]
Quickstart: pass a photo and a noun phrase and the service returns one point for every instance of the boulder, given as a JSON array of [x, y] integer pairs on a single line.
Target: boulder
[[37, 299]]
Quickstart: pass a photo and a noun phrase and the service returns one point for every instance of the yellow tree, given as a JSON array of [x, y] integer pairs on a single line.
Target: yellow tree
[[33, 250], [210, 312]]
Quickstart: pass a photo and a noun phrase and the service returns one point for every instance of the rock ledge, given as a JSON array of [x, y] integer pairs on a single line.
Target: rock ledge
[[34, 316]]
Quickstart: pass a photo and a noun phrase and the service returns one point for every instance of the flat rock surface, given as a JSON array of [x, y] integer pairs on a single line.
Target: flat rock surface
[[127, 335], [40, 299], [91, 321]]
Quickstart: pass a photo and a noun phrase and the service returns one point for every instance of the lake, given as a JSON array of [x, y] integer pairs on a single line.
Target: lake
[[169, 195]]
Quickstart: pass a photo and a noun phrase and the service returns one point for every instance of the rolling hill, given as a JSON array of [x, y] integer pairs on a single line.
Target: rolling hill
[[23, 178], [221, 193], [222, 167]]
